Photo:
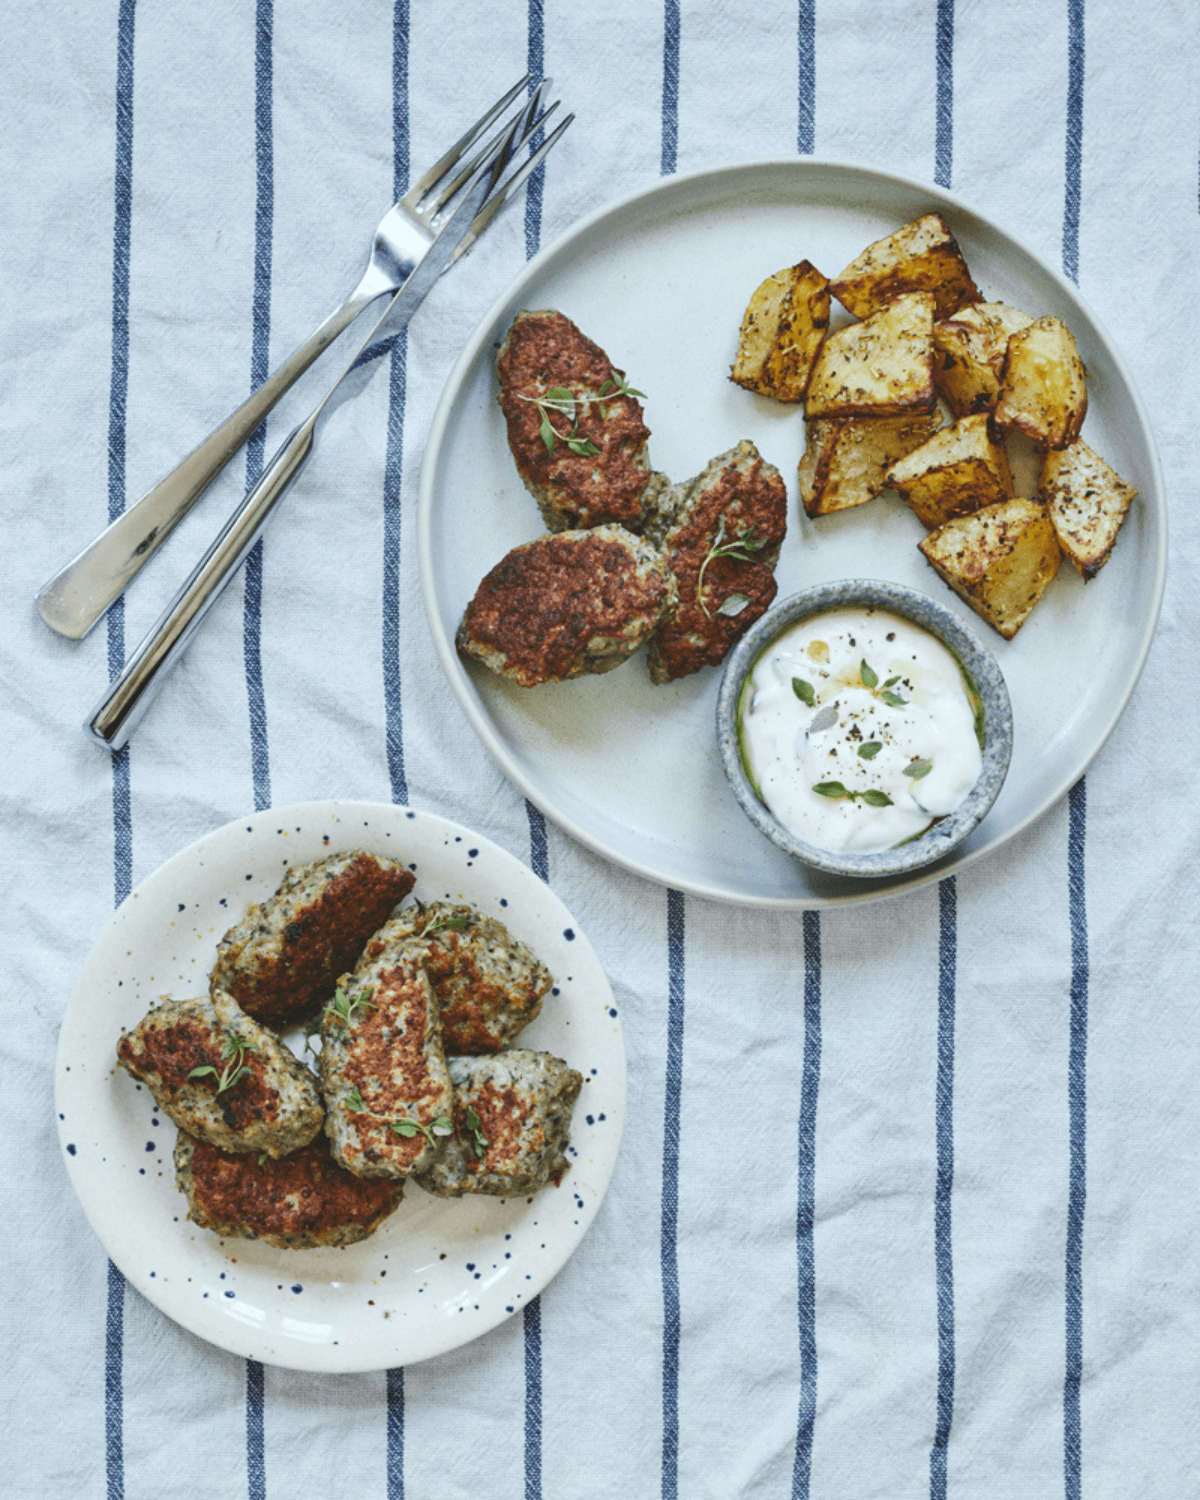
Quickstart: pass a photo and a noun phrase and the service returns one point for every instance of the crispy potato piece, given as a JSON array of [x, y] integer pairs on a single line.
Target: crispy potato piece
[[1043, 391], [922, 257], [782, 330], [959, 470], [846, 459], [1086, 501], [968, 354], [998, 560], [880, 367]]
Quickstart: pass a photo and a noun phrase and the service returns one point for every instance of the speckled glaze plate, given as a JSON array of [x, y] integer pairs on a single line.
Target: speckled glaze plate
[[439, 1272], [660, 280]]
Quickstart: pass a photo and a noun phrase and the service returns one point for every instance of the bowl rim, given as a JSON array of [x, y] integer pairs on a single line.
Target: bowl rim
[[977, 664]]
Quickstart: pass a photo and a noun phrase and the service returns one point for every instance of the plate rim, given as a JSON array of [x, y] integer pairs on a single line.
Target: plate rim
[[246, 1340], [447, 653]]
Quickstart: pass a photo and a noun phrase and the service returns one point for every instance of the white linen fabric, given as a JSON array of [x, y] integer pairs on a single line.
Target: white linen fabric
[[952, 1248]]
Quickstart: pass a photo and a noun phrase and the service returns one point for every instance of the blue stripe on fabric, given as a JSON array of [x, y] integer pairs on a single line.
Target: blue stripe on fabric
[[393, 469], [1077, 1113], [114, 1393], [256, 1465], [1074, 164], [670, 91], [806, 44], [1076, 850], [806, 1203], [944, 129], [533, 1400], [943, 1195], [669, 1238], [114, 1322], [536, 186], [539, 853], [260, 352], [395, 1434]]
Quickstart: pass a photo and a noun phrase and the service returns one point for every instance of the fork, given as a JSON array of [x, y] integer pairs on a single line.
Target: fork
[[484, 187], [77, 596]]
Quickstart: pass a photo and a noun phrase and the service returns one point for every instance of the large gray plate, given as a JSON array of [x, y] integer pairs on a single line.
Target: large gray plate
[[660, 281]]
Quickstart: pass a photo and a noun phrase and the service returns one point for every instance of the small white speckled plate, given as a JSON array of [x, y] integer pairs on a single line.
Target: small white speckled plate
[[439, 1272]]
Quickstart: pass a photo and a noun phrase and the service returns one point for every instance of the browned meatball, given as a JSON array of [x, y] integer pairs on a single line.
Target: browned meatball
[[721, 543], [282, 960], [578, 439], [222, 1077], [300, 1202], [566, 605]]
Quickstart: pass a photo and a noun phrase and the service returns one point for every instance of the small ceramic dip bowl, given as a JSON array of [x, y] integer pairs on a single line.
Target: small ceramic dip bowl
[[982, 706]]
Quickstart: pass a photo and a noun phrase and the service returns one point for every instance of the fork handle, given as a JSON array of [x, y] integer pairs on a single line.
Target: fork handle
[[74, 599], [132, 693]]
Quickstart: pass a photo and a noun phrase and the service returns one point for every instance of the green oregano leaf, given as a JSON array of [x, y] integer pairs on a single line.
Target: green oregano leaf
[[867, 676], [830, 789], [893, 699], [804, 691], [875, 798], [918, 768], [870, 750]]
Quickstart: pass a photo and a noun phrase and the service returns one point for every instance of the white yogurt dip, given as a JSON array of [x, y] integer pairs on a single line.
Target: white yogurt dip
[[858, 730]]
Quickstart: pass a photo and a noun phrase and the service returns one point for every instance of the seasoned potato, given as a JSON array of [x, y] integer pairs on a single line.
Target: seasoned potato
[[999, 560], [1043, 391], [968, 354], [846, 459], [959, 470], [922, 257], [784, 326], [881, 367], [1086, 501]]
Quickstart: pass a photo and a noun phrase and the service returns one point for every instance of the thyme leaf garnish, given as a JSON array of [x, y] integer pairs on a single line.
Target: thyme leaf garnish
[[918, 768], [870, 750], [479, 1142], [867, 676], [563, 402], [741, 548], [804, 691], [447, 924], [235, 1069], [837, 792], [443, 1125], [343, 1005]]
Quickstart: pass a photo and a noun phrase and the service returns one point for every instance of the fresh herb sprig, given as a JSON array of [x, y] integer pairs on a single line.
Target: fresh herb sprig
[[235, 1069], [873, 797], [478, 1142], [441, 1126], [447, 924], [343, 1006], [740, 548], [564, 402]]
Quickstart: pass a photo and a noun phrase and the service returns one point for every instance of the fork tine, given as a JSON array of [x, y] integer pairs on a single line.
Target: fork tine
[[499, 150], [439, 169], [500, 196]]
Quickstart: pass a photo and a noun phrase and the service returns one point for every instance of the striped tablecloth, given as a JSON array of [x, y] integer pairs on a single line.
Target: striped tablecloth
[[951, 1248]]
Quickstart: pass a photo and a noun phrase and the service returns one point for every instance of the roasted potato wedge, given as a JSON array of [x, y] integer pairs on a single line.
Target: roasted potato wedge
[[881, 367], [959, 470], [999, 560], [846, 459], [782, 330], [968, 354], [1043, 391], [1086, 501], [922, 257]]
